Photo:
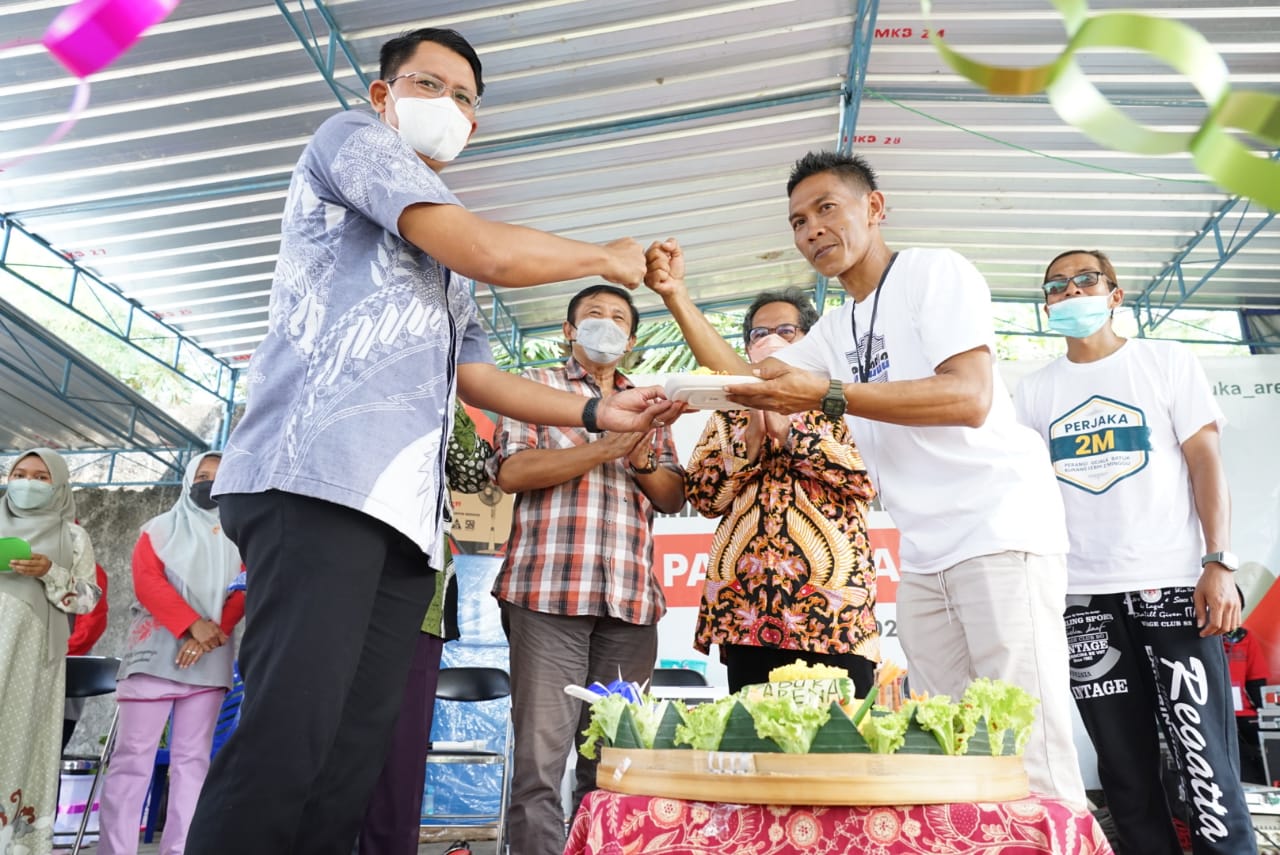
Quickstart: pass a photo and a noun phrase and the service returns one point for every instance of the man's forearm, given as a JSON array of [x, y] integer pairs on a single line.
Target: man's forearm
[[499, 253], [940, 400], [664, 487], [708, 346], [1209, 487], [540, 468], [489, 388], [958, 394]]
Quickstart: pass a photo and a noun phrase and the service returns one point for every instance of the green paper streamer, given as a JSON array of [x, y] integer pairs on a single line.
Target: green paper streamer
[[1218, 155]]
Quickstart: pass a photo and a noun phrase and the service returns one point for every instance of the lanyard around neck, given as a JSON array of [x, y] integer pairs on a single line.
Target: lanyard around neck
[[864, 369]]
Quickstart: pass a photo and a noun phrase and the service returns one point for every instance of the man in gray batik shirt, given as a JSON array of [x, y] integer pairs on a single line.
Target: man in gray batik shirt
[[332, 484]]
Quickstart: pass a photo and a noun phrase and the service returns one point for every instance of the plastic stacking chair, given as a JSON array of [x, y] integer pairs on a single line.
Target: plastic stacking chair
[[88, 677], [471, 685]]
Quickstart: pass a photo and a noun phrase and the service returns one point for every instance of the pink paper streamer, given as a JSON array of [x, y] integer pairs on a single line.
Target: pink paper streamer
[[79, 101]]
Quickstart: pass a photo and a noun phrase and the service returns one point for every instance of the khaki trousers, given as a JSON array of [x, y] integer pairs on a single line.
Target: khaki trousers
[[999, 616]]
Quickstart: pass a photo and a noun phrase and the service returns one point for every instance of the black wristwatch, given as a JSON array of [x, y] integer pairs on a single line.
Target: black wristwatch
[[1226, 559], [589, 415], [833, 403]]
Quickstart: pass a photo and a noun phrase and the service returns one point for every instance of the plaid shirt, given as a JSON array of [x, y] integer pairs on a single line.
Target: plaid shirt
[[584, 547]]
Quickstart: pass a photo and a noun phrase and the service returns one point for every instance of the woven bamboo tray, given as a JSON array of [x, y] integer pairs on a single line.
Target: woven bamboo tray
[[812, 779]]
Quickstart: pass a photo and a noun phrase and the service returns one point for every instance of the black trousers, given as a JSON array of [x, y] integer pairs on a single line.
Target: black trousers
[[748, 664], [391, 821], [333, 607], [1138, 663]]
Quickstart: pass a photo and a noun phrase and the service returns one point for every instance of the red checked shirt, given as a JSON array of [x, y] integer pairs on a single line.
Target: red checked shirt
[[584, 547]]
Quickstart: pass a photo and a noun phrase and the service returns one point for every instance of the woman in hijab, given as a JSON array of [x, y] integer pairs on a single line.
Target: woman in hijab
[[178, 662], [36, 595]]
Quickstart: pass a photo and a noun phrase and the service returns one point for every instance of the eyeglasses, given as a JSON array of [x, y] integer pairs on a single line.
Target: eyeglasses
[[787, 331], [1083, 279], [430, 86]]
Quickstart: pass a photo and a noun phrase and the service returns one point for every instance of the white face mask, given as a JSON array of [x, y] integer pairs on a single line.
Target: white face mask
[[434, 127], [29, 494], [602, 340]]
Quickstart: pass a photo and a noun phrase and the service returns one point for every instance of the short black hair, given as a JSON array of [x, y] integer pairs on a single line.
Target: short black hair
[[794, 296], [396, 52], [592, 290], [850, 167]]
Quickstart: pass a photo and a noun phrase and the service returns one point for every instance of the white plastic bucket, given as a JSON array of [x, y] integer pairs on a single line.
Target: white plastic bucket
[[73, 792]]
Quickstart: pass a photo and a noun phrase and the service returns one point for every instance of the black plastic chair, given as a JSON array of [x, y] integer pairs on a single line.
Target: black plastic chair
[[88, 677], [471, 685]]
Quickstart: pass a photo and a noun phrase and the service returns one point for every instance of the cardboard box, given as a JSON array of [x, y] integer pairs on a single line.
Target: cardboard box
[[482, 521]]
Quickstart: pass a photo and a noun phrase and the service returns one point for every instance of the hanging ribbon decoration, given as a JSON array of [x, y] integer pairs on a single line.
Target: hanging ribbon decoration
[[86, 38], [1218, 155]]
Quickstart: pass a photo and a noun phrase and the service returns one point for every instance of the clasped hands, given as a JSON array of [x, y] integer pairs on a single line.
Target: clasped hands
[[201, 637], [635, 446], [786, 389]]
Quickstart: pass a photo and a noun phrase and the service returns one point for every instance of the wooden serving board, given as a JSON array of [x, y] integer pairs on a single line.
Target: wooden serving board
[[812, 779]]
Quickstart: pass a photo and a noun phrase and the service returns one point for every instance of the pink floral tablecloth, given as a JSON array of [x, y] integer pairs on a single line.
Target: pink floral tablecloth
[[616, 824]]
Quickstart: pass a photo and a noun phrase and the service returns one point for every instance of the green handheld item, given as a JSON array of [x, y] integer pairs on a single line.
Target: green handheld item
[[11, 548]]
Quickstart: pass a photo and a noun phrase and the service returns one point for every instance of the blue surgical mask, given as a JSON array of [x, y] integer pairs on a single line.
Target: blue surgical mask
[[602, 340], [29, 495], [1080, 317]]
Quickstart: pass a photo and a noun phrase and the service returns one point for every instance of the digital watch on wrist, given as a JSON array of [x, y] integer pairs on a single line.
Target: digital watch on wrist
[[833, 403]]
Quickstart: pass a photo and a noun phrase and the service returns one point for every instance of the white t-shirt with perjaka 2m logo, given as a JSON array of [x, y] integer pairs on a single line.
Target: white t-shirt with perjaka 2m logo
[[1115, 429]]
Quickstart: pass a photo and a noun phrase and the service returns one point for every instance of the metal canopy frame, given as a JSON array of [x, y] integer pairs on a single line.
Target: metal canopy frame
[[102, 305], [110, 418], [316, 28], [1169, 289]]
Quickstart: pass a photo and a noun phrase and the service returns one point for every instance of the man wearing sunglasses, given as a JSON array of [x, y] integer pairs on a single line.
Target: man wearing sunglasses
[[1133, 432]]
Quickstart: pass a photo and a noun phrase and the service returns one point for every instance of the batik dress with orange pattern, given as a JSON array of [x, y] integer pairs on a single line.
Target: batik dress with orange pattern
[[791, 563]]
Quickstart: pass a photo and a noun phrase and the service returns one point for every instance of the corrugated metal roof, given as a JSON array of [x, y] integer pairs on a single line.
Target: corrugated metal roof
[[53, 396], [605, 119]]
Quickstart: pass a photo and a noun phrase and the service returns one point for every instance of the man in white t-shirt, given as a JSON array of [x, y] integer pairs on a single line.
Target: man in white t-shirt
[[1133, 431], [909, 361]]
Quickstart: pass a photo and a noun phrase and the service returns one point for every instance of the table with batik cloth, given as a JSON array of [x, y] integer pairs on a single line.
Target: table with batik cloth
[[614, 823]]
